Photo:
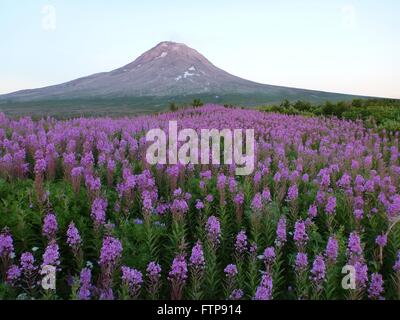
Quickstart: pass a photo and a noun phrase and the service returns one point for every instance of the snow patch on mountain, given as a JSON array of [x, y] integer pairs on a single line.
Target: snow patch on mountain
[[162, 55]]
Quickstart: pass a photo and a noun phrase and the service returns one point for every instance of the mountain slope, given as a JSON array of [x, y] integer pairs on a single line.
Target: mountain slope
[[167, 70]]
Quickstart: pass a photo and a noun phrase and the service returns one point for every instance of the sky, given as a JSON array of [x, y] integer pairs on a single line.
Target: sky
[[340, 46]]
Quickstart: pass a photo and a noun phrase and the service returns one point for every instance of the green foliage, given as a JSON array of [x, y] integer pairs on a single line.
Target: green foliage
[[197, 103], [172, 106], [380, 113]]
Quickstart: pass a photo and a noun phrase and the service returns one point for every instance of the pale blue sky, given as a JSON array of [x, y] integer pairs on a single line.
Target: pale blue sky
[[343, 46]]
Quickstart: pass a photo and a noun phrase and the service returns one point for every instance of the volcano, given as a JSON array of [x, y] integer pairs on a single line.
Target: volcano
[[170, 71]]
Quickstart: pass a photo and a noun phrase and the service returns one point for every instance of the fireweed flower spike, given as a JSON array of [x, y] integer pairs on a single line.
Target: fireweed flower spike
[[312, 211], [74, 241], [197, 257], [381, 241], [301, 261], [39, 170], [332, 250], [231, 272], [264, 290], [361, 275], [293, 193], [269, 258], [239, 200], [376, 289], [301, 265], [197, 265], [300, 234], [98, 212], [85, 290], [330, 208], [257, 203], [6, 249], [241, 243], [13, 275], [177, 277], [153, 275], [51, 256], [27, 262], [213, 229], [132, 281], [28, 271], [236, 294], [110, 254], [354, 248], [50, 226], [281, 232], [318, 273]]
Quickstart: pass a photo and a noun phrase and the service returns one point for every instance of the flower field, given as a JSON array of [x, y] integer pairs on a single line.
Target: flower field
[[79, 196]]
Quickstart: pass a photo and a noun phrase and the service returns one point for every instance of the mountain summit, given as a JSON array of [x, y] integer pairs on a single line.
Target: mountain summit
[[168, 70]]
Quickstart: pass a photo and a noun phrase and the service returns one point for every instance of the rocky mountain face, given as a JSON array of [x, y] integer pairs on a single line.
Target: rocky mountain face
[[168, 70]]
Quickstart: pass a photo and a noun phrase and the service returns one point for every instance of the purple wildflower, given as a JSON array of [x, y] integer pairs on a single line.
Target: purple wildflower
[[98, 212], [179, 269], [13, 275], [221, 181], [358, 214], [177, 276], [50, 226], [153, 273], [264, 290], [293, 193], [51, 256], [213, 230], [239, 198], [241, 242], [332, 249], [257, 203], [110, 252], [300, 235], [106, 294], [312, 211], [153, 270], [253, 249], [266, 194], [199, 204], [27, 262], [361, 274], [133, 280], [381, 240], [354, 245], [318, 270], [281, 231], [73, 238], [269, 256], [6, 244], [40, 166], [301, 261], [209, 198], [236, 294], [85, 284], [197, 257], [376, 289], [331, 205], [231, 271]]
